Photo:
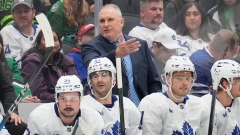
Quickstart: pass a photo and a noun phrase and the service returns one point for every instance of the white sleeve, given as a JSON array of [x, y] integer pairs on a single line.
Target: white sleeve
[[32, 127], [11, 46], [151, 121], [97, 126], [4, 131], [93, 119], [203, 129], [134, 127]]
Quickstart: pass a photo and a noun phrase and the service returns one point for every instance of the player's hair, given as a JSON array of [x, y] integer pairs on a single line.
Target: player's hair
[[58, 58], [221, 83], [115, 7], [143, 3], [4, 61], [223, 39], [182, 28], [79, 17]]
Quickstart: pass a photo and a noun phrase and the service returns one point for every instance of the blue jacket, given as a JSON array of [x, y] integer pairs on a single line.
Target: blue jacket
[[77, 58]]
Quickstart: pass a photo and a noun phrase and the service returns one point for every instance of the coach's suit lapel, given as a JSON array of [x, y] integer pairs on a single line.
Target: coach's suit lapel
[[108, 46]]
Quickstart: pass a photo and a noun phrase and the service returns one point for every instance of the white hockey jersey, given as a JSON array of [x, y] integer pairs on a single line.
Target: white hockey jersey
[[145, 33], [226, 120], [161, 116], [16, 43], [4, 131], [111, 116], [44, 120], [189, 45]]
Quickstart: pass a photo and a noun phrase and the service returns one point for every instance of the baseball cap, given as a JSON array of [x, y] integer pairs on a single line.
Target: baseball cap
[[25, 2], [167, 37], [85, 29]]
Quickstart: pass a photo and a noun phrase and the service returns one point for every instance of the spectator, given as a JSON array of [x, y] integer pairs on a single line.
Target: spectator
[[92, 6], [151, 18], [7, 90], [224, 45], [192, 29], [67, 16], [163, 46], [227, 16], [175, 112], [207, 4], [15, 125], [111, 43], [57, 65], [19, 37], [65, 115], [226, 74], [102, 78], [85, 34], [14, 75], [172, 10]]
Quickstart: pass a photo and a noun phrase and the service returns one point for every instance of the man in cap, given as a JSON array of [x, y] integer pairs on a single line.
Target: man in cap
[[85, 34], [19, 37], [163, 46]]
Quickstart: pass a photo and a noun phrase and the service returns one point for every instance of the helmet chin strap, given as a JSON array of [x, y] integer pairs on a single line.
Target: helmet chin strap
[[227, 90], [170, 89], [107, 93]]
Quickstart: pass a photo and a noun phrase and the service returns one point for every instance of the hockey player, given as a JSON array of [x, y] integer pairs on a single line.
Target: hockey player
[[175, 112], [101, 77], [61, 118], [226, 73]]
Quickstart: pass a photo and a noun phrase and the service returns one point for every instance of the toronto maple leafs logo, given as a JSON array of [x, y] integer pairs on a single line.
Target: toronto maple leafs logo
[[115, 129], [225, 115], [236, 130], [186, 128], [173, 37]]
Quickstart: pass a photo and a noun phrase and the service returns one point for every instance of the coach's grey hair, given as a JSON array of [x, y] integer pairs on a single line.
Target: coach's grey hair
[[112, 6], [143, 3]]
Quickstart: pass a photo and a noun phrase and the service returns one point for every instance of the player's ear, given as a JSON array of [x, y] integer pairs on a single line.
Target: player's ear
[[168, 79], [114, 81]]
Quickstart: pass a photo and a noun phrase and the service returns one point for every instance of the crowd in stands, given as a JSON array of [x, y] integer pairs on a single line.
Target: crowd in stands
[[198, 32]]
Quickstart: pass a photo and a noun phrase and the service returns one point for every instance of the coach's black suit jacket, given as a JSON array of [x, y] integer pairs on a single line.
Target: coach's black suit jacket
[[145, 77]]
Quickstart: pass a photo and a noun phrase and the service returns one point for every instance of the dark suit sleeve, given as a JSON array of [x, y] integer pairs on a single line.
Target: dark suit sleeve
[[7, 94], [92, 50], [154, 84]]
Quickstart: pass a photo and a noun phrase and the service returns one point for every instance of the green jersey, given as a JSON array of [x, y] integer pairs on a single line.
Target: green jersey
[[18, 83], [58, 21]]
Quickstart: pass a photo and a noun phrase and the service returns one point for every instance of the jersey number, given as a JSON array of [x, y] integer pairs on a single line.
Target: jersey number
[[7, 50]]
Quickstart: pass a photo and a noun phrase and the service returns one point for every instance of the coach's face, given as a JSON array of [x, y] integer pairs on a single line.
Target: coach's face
[[111, 23], [23, 16]]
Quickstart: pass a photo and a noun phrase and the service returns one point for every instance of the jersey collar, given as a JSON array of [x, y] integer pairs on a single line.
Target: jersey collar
[[184, 101]]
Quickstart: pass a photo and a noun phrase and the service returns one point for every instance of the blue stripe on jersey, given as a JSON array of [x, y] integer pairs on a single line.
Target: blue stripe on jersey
[[33, 25], [184, 101], [114, 99]]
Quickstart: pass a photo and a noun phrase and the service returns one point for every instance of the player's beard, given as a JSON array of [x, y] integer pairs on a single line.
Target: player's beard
[[66, 115]]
